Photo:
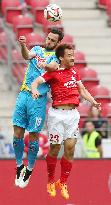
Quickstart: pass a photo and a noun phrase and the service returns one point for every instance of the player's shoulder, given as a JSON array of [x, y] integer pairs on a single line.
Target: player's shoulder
[[37, 48], [74, 70]]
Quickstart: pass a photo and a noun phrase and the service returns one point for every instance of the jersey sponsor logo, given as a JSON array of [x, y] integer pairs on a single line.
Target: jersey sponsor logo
[[40, 59], [71, 83]]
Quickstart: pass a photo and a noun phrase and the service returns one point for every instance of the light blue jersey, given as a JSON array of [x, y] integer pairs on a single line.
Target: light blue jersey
[[30, 113], [32, 72]]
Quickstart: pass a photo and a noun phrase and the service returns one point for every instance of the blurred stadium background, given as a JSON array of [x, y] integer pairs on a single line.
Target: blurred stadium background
[[87, 25]]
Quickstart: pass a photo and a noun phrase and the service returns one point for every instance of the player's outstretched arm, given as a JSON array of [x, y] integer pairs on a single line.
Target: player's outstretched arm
[[27, 55], [87, 96], [34, 86], [49, 67]]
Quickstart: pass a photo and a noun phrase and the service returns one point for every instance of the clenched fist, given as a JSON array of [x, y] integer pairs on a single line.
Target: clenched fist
[[97, 105], [22, 40]]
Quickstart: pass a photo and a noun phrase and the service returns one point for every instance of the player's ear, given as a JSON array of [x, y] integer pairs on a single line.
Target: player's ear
[[59, 42]]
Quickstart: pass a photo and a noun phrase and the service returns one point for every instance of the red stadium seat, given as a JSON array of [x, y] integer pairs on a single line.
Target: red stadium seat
[[84, 112], [80, 60], [83, 109], [19, 65], [48, 25], [106, 110], [38, 3], [88, 73], [9, 3], [18, 72], [102, 4], [17, 57], [89, 77], [28, 2], [34, 39], [90, 83], [108, 7], [68, 39], [22, 25], [38, 9], [3, 46], [101, 94], [12, 12]]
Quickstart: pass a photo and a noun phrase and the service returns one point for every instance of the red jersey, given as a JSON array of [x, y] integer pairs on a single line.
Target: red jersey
[[64, 88]]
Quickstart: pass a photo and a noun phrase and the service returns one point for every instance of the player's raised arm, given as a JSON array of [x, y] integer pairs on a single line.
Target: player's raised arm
[[87, 96], [27, 55]]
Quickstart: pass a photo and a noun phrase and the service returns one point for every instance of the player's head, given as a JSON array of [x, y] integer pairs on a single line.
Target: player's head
[[54, 38], [65, 53]]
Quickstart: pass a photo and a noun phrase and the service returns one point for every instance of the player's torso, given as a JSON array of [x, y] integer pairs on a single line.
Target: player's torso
[[65, 80], [33, 71], [64, 87]]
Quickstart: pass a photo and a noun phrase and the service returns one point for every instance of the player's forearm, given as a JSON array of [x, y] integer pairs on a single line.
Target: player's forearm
[[25, 52], [87, 96], [36, 83], [50, 67]]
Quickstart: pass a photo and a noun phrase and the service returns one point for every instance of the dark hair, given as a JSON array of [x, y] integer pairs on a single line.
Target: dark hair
[[61, 49], [58, 31]]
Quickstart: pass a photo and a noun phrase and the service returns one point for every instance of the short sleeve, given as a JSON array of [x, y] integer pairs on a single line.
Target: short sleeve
[[47, 76], [52, 59], [36, 49]]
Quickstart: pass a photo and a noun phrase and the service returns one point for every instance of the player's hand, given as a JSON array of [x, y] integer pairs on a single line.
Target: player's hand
[[35, 93], [41, 65], [97, 105], [22, 40]]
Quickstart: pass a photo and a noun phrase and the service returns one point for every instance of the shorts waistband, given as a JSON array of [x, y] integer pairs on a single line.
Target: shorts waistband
[[57, 108]]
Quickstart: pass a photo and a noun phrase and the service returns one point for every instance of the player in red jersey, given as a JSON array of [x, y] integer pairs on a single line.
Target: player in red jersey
[[63, 117]]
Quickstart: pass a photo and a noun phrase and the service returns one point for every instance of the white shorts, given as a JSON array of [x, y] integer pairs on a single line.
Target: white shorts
[[62, 124]]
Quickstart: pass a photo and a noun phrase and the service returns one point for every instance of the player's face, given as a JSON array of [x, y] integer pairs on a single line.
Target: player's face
[[68, 59], [52, 41]]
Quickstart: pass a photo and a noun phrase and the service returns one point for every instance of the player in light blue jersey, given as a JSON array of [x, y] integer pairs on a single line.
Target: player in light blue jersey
[[29, 113]]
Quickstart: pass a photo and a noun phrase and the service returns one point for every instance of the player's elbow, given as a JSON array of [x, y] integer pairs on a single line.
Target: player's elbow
[[51, 67], [82, 92], [26, 56]]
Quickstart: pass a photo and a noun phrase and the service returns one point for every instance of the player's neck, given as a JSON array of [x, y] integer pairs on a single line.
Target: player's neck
[[65, 66]]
